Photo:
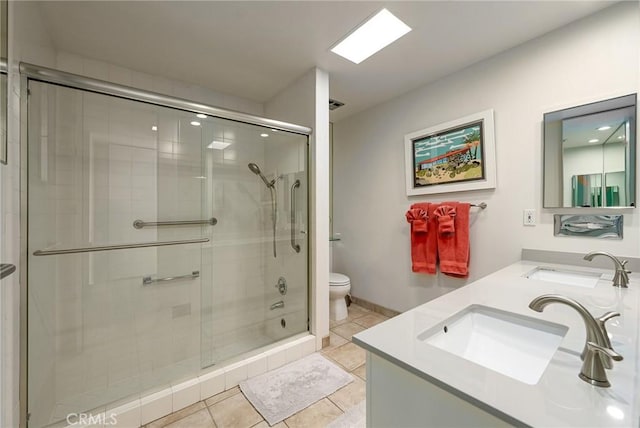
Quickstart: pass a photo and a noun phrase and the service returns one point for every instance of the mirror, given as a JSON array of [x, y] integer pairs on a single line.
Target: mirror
[[589, 155], [4, 81]]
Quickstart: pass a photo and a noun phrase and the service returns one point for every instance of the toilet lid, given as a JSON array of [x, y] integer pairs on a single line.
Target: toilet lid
[[338, 279]]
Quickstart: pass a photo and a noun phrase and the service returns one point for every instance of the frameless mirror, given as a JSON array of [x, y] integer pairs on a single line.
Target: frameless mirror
[[4, 82], [589, 155]]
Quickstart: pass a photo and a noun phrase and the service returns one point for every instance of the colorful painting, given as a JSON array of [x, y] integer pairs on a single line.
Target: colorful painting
[[450, 156], [455, 156]]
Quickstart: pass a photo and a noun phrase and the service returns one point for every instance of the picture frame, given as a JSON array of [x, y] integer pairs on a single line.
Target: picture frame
[[454, 156]]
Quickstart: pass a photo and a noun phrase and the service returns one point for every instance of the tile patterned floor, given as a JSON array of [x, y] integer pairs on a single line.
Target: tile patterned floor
[[232, 409]]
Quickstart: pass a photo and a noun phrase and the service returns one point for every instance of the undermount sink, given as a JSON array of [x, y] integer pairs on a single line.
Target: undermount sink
[[514, 345], [564, 277]]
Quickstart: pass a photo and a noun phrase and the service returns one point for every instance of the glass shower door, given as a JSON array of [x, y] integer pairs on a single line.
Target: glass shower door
[[104, 326], [256, 181], [160, 242]]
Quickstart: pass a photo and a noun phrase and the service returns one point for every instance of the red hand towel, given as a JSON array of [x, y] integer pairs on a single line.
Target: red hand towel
[[423, 244], [432, 240], [453, 248], [418, 219], [445, 215]]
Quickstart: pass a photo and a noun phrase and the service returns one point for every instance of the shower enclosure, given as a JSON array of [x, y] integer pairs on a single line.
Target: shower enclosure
[[154, 251]]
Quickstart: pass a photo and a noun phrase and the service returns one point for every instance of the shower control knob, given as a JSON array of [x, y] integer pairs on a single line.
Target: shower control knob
[[282, 285]]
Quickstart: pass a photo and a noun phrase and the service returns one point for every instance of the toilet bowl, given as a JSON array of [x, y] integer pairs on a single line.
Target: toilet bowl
[[339, 287]]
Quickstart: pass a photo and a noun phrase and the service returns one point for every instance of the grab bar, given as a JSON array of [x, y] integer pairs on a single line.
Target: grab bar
[[6, 269], [148, 280], [295, 246], [117, 247], [139, 224]]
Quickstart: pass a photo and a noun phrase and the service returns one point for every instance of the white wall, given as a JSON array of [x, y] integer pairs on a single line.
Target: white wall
[[306, 102], [592, 59]]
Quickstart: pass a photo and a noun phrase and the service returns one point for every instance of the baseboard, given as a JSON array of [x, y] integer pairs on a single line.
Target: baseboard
[[374, 307], [326, 341]]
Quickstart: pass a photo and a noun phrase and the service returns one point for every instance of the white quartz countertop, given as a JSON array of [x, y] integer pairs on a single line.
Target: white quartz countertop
[[560, 398]]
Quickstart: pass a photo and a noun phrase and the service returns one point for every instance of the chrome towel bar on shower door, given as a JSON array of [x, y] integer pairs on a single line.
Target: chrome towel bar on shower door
[[139, 224], [294, 186], [117, 247]]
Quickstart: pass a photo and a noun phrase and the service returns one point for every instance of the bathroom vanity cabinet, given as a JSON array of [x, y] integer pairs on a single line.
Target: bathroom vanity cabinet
[[413, 381], [398, 398]]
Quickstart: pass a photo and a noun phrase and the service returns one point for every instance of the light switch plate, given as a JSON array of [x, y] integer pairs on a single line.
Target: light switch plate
[[529, 217]]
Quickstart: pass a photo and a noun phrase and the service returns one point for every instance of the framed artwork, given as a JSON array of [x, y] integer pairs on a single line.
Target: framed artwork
[[452, 157]]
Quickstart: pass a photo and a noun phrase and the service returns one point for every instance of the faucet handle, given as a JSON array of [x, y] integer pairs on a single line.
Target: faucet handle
[[623, 266], [607, 342], [593, 370], [606, 317], [605, 351], [621, 276]]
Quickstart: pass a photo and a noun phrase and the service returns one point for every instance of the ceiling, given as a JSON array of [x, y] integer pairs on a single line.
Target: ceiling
[[256, 49], [579, 131]]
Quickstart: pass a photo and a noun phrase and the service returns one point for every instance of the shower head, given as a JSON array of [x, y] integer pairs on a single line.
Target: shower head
[[256, 170]]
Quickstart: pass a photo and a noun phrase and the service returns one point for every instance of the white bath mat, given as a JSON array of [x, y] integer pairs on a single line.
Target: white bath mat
[[355, 417], [280, 393]]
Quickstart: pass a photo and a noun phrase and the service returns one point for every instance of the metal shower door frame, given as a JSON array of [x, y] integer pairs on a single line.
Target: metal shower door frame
[[47, 75]]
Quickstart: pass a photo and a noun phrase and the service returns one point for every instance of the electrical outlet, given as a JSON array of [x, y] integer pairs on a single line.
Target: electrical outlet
[[529, 218]]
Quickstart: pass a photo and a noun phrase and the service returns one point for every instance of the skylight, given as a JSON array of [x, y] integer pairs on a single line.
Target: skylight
[[378, 32]]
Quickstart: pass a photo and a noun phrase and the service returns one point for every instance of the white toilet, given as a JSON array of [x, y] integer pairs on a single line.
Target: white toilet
[[339, 287]]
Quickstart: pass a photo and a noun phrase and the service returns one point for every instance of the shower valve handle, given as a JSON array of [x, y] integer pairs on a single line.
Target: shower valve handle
[[282, 285]]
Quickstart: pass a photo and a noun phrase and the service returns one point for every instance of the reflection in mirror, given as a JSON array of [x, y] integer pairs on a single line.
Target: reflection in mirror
[[589, 155], [4, 85]]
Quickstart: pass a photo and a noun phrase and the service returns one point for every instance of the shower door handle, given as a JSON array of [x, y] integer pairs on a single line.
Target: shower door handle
[[139, 224], [6, 269], [294, 186], [147, 280]]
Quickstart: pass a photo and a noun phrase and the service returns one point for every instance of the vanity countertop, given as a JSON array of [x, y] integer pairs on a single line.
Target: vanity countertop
[[559, 398]]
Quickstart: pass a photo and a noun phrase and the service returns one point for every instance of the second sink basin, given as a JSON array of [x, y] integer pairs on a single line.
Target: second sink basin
[[515, 345], [565, 277]]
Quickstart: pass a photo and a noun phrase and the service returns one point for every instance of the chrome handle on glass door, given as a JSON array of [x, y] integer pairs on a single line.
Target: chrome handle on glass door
[[294, 186], [6, 269], [117, 247], [147, 280], [139, 224]]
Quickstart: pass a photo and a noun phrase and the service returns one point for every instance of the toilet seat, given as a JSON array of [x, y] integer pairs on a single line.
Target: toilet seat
[[338, 279]]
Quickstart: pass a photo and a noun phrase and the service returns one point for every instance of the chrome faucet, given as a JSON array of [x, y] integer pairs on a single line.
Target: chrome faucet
[[621, 277], [597, 353]]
